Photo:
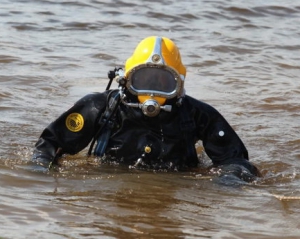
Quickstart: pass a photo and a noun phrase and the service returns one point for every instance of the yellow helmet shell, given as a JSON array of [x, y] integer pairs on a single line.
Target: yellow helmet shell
[[159, 51]]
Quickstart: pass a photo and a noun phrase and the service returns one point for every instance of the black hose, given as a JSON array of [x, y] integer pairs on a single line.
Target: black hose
[[108, 113]]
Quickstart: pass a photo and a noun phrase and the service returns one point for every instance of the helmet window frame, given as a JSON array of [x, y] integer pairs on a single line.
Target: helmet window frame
[[168, 95]]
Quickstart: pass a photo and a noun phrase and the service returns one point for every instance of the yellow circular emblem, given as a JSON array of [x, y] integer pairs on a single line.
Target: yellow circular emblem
[[74, 122]]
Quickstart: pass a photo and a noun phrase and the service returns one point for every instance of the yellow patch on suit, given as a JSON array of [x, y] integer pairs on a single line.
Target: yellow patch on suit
[[74, 122]]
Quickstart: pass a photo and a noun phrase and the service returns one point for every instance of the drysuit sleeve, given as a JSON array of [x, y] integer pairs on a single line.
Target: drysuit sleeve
[[224, 147], [71, 132]]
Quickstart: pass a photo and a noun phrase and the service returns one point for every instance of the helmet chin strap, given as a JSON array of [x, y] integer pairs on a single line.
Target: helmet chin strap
[[150, 107]]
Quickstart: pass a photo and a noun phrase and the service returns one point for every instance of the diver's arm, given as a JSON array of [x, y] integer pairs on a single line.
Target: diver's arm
[[71, 132], [226, 150]]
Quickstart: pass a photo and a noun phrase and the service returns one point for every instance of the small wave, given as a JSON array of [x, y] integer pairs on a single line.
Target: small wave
[[163, 16], [288, 66], [25, 26], [103, 56], [8, 59], [244, 11], [233, 49], [67, 3], [277, 11], [45, 13], [80, 25], [206, 63]]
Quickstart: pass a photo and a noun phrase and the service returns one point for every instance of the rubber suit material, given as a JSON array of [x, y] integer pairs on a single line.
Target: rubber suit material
[[133, 131]]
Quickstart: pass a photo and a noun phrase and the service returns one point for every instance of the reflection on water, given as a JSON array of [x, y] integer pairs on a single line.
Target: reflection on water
[[241, 57]]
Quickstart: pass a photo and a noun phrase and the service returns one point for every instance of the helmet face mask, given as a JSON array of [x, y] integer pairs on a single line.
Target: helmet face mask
[[154, 80]]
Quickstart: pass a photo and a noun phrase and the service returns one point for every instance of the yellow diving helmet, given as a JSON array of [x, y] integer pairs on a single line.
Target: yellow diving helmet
[[155, 71]]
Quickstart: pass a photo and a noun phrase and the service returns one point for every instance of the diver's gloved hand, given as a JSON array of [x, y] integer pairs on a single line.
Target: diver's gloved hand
[[31, 166], [44, 154], [41, 161], [235, 172]]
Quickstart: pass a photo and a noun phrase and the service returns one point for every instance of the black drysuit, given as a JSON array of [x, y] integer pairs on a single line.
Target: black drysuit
[[170, 136]]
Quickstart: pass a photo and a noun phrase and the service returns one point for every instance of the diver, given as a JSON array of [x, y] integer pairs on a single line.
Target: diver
[[148, 122]]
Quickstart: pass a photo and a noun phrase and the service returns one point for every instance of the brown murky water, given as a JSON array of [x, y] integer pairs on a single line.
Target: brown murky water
[[242, 57]]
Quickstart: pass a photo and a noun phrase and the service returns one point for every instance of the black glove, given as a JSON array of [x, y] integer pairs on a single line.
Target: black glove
[[236, 171]]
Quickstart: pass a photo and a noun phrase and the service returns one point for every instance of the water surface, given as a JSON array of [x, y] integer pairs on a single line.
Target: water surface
[[242, 57]]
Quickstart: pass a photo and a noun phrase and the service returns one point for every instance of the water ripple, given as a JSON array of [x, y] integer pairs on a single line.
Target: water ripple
[[241, 57]]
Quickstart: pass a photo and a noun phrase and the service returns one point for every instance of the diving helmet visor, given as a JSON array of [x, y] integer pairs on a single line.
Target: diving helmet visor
[[156, 80]]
